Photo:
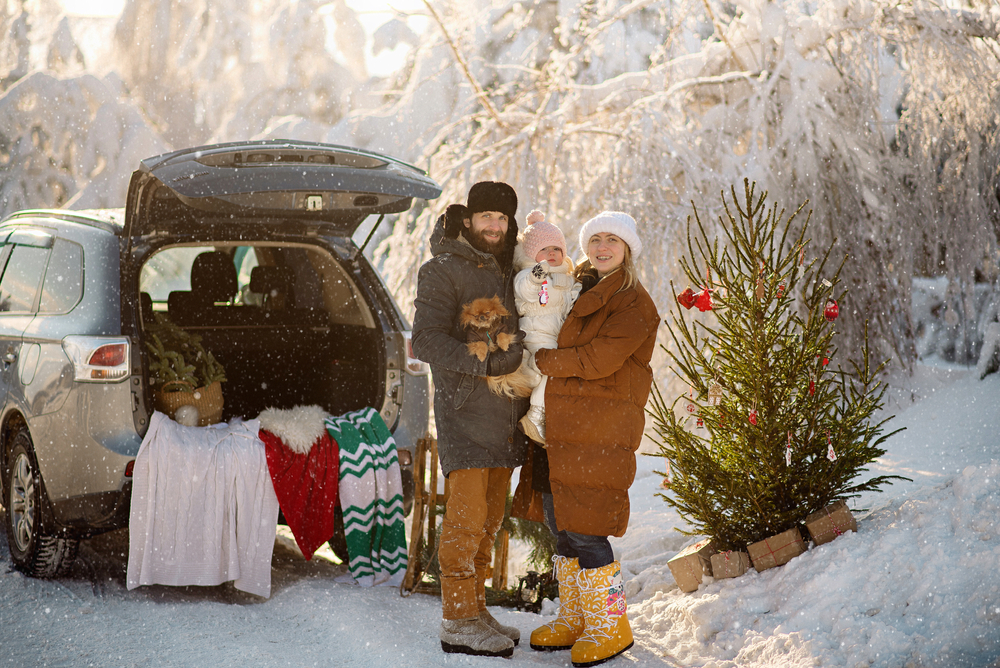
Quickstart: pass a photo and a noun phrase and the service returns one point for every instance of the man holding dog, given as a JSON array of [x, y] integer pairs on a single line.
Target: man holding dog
[[479, 443]]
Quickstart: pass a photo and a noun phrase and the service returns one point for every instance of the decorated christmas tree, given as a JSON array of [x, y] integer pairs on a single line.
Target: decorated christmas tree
[[771, 428]]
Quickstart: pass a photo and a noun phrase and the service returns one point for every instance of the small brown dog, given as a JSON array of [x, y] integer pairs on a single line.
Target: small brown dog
[[482, 319]]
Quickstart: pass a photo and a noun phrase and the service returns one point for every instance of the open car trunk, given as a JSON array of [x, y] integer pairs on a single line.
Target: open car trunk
[[293, 327], [286, 322]]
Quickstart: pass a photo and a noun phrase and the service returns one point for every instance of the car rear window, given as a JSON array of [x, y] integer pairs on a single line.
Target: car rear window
[[19, 284], [304, 281], [63, 285]]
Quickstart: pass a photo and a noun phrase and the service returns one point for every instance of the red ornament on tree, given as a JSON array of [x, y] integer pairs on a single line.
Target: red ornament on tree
[[686, 298], [704, 300], [832, 310], [753, 417]]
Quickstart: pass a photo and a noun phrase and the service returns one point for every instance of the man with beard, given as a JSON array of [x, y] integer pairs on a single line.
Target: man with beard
[[478, 440]]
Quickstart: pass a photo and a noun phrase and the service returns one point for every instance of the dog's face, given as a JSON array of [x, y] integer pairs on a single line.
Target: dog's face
[[483, 313]]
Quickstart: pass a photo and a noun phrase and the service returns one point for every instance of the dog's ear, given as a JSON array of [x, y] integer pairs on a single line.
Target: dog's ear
[[466, 317], [496, 305]]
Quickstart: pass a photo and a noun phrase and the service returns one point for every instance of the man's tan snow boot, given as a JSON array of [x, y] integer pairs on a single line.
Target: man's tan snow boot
[[510, 631], [567, 627], [472, 636]]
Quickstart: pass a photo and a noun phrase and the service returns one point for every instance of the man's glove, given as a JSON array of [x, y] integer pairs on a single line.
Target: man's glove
[[502, 362], [539, 272]]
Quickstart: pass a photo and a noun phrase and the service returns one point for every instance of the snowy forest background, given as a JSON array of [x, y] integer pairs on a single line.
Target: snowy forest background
[[884, 114]]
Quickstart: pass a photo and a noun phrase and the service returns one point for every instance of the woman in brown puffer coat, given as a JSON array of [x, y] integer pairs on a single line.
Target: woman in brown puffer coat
[[599, 380]]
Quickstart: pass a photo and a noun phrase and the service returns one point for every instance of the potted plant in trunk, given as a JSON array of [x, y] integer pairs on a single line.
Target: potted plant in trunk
[[187, 379]]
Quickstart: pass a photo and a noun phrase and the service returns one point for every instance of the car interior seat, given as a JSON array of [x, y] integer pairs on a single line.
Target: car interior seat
[[213, 280], [275, 285]]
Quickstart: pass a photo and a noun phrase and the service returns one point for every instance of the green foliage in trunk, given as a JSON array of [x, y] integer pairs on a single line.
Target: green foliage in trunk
[[177, 358]]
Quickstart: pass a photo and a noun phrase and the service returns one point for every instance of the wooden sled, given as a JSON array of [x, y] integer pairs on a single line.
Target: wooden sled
[[424, 529]]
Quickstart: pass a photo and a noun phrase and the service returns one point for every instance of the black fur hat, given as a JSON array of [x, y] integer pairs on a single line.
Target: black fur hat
[[492, 196], [486, 196]]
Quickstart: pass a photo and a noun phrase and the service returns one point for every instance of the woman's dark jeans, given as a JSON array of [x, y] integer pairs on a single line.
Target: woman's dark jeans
[[592, 551]]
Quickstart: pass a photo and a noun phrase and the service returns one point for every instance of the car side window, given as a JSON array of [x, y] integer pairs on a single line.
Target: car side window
[[63, 285], [19, 284]]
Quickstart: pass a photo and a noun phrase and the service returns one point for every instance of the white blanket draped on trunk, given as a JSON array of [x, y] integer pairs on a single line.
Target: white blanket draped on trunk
[[203, 508]]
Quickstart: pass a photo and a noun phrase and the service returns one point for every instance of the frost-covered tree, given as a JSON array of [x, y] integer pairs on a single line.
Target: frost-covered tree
[[883, 113], [69, 142], [646, 105], [182, 73], [217, 70], [15, 42]]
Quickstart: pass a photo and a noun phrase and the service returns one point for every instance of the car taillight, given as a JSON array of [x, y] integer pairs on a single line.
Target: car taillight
[[97, 359], [129, 468], [110, 355], [413, 366]]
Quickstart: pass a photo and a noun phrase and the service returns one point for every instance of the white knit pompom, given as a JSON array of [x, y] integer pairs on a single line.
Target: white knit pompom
[[187, 415], [535, 216]]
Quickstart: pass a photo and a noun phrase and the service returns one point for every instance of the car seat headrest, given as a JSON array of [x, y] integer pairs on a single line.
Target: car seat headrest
[[271, 281], [213, 277]]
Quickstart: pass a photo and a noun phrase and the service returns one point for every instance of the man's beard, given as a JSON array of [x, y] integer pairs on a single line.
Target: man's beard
[[480, 243]]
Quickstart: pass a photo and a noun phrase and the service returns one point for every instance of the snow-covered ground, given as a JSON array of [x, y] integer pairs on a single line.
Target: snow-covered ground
[[915, 586]]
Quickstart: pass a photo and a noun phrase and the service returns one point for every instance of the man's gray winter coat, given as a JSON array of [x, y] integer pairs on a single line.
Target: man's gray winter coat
[[475, 428]]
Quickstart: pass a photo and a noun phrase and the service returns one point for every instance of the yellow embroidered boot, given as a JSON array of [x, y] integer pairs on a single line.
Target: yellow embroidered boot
[[567, 627], [606, 632]]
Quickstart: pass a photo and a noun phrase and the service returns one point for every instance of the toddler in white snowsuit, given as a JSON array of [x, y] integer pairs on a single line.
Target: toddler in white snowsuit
[[544, 292]]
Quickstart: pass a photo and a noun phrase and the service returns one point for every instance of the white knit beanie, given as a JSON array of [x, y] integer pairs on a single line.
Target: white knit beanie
[[617, 223]]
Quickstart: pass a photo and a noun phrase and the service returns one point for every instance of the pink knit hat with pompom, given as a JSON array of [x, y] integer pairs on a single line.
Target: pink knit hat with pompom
[[540, 234]]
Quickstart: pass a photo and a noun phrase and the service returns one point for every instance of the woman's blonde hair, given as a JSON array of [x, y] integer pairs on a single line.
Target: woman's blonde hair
[[627, 265]]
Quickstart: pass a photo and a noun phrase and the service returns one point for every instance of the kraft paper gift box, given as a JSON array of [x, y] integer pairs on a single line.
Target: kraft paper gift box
[[730, 564], [825, 525], [691, 564], [776, 550]]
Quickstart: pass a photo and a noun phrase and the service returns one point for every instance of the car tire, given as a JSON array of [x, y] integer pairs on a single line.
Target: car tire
[[33, 550]]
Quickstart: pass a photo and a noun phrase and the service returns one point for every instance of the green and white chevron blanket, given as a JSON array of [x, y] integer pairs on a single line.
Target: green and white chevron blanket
[[371, 497]]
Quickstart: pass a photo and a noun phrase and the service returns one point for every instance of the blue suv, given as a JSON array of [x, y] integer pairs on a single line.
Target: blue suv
[[248, 245]]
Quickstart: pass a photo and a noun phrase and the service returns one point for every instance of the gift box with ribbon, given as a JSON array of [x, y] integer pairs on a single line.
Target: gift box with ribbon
[[776, 550], [692, 563], [834, 520], [730, 564]]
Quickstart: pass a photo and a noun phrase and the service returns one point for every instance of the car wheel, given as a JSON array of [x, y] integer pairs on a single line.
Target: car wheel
[[32, 550]]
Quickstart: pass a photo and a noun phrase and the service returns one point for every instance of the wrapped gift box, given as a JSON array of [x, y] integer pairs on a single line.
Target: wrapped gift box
[[691, 564], [730, 564], [825, 525], [776, 550]]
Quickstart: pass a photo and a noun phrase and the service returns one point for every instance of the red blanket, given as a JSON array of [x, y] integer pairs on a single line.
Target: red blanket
[[306, 487]]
